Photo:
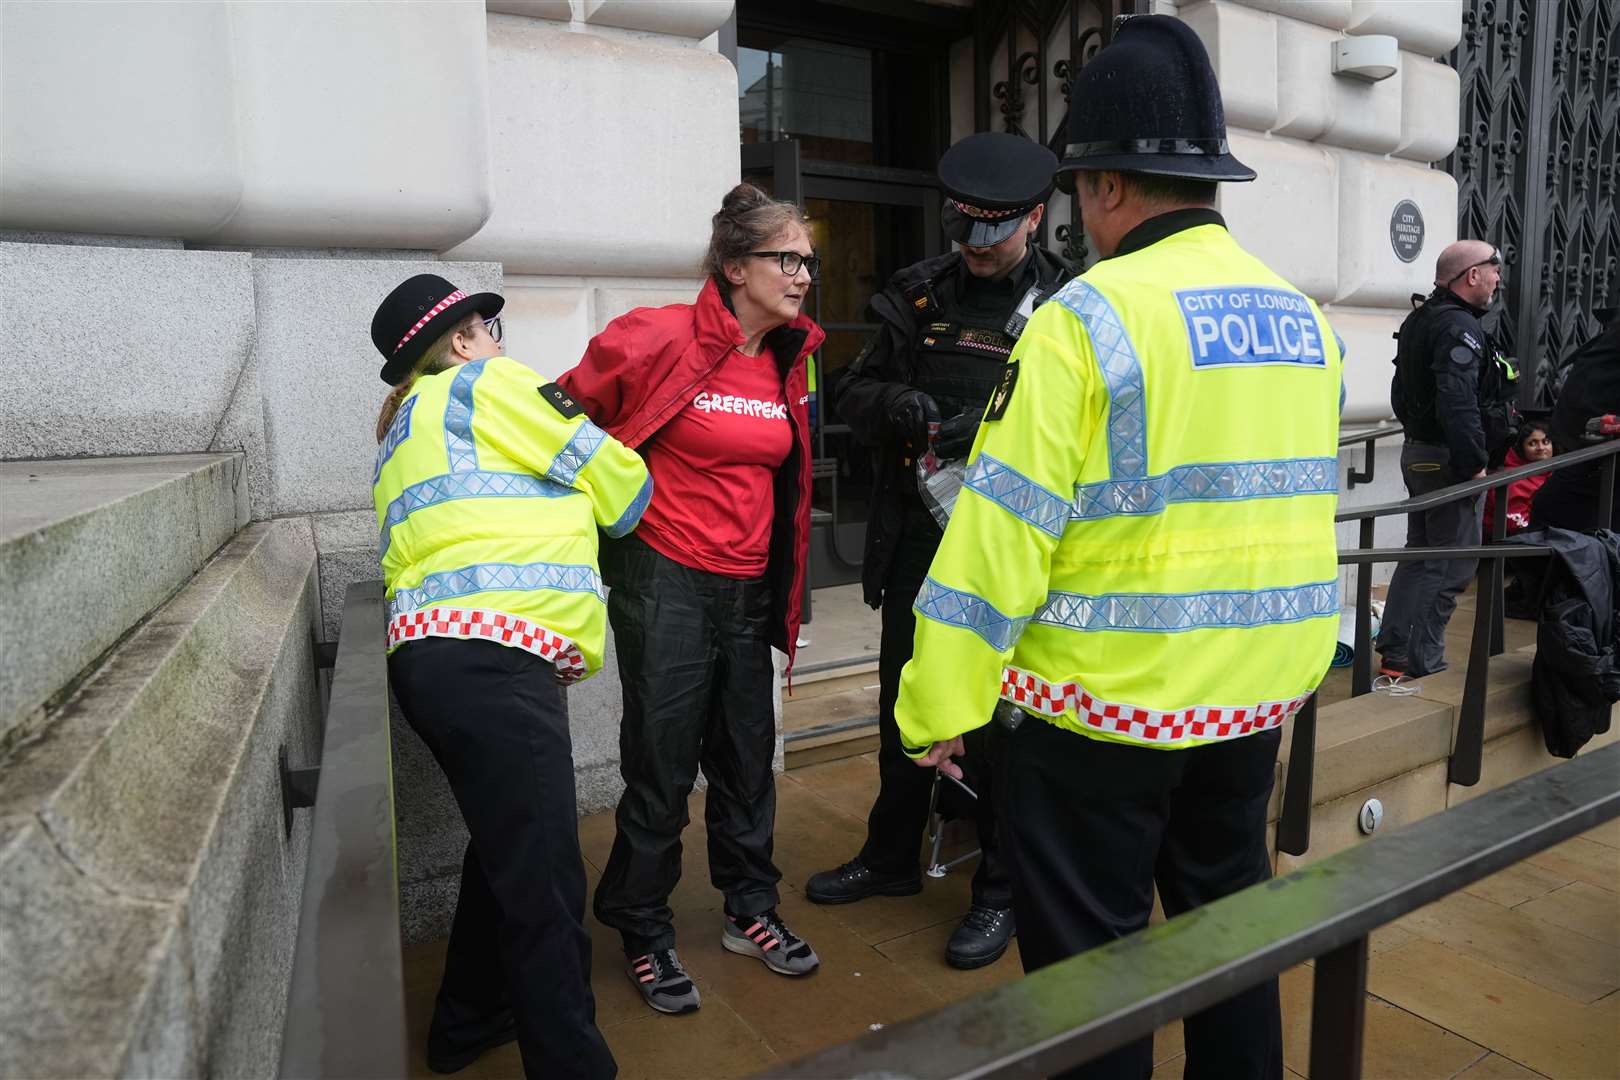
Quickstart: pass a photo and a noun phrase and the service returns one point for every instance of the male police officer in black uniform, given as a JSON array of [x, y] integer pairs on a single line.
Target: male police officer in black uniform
[[1451, 391], [949, 324]]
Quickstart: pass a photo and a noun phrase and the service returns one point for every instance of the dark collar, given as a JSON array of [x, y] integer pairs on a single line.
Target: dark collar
[[1443, 293], [1167, 224], [1015, 277]]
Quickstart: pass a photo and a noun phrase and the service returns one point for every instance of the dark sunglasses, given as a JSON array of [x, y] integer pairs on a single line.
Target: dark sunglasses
[[1494, 260], [791, 261]]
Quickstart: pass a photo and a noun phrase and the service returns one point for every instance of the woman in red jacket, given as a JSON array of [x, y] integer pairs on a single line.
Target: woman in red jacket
[[713, 394], [1534, 445]]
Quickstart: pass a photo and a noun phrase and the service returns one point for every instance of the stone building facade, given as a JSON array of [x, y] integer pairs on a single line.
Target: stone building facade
[[201, 204]]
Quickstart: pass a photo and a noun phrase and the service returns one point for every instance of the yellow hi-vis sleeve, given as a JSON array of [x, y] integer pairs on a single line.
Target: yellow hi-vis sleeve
[[991, 572], [538, 425]]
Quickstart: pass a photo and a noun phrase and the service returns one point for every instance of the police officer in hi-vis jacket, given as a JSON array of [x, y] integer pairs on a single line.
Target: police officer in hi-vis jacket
[[1141, 567]]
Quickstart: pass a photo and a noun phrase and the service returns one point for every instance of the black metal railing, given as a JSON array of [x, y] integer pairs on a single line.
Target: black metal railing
[[1080, 1008], [346, 999], [1368, 437], [1463, 768]]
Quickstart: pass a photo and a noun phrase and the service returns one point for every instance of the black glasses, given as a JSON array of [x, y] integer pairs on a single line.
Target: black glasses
[[790, 261], [493, 325], [1494, 260]]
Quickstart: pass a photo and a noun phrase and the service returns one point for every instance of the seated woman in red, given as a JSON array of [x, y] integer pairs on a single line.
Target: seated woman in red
[[713, 395], [1534, 445]]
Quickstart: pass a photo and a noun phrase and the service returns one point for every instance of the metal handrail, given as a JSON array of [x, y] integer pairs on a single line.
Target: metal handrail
[[1089, 1004], [1466, 488], [1368, 437], [1468, 751], [346, 999]]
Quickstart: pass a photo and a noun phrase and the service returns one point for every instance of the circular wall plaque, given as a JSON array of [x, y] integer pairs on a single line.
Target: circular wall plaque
[[1406, 230]]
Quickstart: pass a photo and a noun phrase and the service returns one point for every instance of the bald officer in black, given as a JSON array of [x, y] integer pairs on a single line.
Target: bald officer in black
[[948, 325]]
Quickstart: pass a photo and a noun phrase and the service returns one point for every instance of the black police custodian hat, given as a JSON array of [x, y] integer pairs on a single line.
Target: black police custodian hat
[[416, 314], [991, 181], [1148, 102]]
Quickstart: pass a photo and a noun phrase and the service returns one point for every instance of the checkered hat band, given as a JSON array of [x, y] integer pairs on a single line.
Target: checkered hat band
[[987, 215], [496, 626], [454, 298], [1153, 727]]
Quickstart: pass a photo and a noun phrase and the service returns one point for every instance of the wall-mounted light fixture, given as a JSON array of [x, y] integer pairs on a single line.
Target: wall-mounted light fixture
[[1371, 57]]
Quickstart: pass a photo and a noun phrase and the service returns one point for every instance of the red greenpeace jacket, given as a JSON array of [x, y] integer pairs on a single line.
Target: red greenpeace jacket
[[643, 367], [1519, 494]]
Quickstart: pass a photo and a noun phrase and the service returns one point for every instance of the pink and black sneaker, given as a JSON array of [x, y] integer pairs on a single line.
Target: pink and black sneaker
[[766, 937], [663, 982]]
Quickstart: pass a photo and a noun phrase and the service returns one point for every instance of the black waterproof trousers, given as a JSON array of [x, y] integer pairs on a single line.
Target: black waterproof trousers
[[894, 829], [1092, 826], [496, 720], [698, 681]]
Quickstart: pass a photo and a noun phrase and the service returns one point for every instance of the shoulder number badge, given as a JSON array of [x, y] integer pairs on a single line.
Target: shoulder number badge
[[562, 401], [1002, 395]]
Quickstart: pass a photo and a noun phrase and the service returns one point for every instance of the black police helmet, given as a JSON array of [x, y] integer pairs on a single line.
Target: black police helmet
[[992, 181], [1148, 102]]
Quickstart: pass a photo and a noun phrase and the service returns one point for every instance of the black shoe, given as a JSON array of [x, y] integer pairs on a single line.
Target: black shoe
[[442, 1061], [856, 881], [981, 939]]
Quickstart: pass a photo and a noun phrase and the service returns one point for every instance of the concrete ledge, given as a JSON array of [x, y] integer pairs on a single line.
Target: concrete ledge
[[147, 811], [88, 548]]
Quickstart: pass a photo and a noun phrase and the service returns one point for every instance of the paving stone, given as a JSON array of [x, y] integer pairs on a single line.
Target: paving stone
[[1397, 1042], [1516, 1018], [1583, 860], [1497, 1067], [923, 955], [1520, 882], [712, 1042], [1581, 907], [849, 784], [1549, 955], [1608, 833]]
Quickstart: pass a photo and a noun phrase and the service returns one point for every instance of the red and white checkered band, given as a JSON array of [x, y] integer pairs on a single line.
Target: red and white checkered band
[[491, 626], [1152, 726], [453, 298], [985, 215]]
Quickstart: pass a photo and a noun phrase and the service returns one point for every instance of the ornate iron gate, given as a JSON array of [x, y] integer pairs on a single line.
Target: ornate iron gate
[[1025, 54], [1538, 168]]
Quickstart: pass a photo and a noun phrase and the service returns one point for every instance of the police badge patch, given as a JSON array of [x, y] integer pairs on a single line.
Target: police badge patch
[[1002, 395], [562, 401]]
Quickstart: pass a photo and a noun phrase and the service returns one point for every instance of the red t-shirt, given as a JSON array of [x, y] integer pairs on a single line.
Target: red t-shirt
[[714, 466]]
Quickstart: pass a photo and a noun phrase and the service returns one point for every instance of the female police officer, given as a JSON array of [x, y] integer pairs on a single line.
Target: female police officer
[[490, 485]]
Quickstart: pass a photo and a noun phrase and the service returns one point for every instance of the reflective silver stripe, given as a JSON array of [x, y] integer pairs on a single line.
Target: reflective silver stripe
[[459, 445], [1116, 356], [476, 484], [1017, 494], [1161, 613], [498, 577], [632, 513], [579, 449], [957, 608], [1207, 483]]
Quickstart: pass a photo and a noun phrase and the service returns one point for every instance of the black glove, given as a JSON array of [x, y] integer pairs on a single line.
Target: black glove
[[956, 436], [910, 413]]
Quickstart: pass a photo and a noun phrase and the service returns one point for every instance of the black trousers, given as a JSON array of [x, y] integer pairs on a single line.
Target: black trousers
[[1092, 826], [496, 720], [894, 829], [698, 682]]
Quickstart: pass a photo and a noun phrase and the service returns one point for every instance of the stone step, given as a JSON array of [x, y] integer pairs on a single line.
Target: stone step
[[90, 546], [148, 893]]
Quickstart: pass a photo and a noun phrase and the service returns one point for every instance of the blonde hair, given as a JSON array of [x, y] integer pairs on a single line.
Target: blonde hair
[[747, 218], [431, 362]]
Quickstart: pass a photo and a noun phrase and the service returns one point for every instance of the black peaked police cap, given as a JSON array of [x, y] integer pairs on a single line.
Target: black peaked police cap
[[416, 314], [992, 181], [1148, 102]]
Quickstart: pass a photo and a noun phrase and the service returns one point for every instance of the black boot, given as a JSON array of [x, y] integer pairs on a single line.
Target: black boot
[[856, 881], [981, 939]]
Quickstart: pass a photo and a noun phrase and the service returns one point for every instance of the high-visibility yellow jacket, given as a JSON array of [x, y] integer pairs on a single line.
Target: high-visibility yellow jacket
[[1143, 550], [489, 487]]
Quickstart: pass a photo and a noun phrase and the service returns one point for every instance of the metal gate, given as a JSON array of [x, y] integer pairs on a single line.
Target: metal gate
[[1538, 168]]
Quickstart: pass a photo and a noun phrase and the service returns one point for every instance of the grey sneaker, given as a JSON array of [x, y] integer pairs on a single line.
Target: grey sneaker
[[766, 937], [663, 982]]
